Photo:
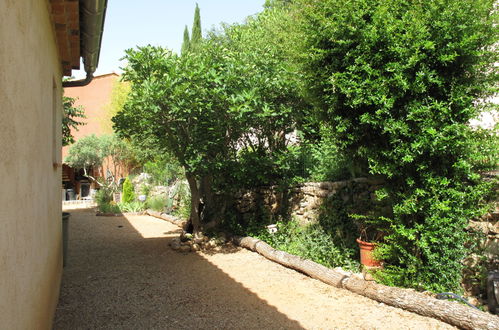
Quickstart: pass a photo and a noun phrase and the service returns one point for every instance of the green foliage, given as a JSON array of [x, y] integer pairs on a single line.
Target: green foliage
[[324, 245], [131, 207], [184, 208], [330, 241], [103, 196], [163, 170], [197, 36], [145, 189], [118, 153], [109, 208], [484, 147], [156, 203], [93, 151], [399, 82], [128, 192], [272, 4], [87, 152], [186, 44], [311, 242], [325, 161], [119, 94], [205, 106], [70, 119]]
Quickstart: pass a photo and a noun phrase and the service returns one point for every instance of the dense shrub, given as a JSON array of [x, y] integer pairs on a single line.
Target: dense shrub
[[103, 196], [327, 162], [132, 207], [163, 171], [312, 241], [128, 192], [109, 208], [184, 208], [399, 82], [485, 146], [156, 203]]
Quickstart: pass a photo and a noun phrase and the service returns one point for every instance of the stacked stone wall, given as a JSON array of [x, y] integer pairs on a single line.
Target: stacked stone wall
[[304, 201]]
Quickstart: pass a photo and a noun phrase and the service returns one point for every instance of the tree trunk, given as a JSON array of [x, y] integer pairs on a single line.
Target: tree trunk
[[450, 312], [194, 218], [205, 212], [91, 177]]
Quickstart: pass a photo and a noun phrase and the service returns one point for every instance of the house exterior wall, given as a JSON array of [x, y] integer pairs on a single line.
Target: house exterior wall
[[30, 143]]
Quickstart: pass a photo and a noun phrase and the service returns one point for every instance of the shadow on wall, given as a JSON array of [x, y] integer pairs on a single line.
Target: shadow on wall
[[118, 277]]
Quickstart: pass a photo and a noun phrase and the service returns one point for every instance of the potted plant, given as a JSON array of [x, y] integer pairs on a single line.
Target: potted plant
[[370, 235]]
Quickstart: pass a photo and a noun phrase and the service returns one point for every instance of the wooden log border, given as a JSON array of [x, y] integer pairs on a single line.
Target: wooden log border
[[453, 313]]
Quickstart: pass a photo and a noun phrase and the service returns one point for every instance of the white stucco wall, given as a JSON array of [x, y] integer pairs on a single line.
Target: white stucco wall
[[30, 186]]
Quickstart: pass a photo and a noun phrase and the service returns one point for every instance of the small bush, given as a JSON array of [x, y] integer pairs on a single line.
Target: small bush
[[312, 242], [156, 203], [145, 189], [184, 209], [133, 207], [327, 161], [163, 171], [128, 192], [109, 208], [103, 196]]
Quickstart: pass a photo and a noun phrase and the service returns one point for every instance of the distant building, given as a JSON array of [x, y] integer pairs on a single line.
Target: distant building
[[95, 99]]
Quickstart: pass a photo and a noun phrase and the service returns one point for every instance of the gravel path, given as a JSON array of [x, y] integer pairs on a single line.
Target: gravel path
[[121, 274]]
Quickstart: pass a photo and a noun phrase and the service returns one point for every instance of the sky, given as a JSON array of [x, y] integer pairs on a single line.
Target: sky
[[131, 23]]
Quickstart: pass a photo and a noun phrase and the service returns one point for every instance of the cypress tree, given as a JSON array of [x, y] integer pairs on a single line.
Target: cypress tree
[[186, 45], [196, 29]]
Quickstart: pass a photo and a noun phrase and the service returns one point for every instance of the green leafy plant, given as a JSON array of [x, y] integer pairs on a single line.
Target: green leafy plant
[[163, 170], [184, 208], [103, 196], [131, 207], [128, 192], [71, 119], [485, 143], [145, 189], [237, 96], [311, 242], [93, 151], [157, 203], [87, 153], [399, 83], [109, 208]]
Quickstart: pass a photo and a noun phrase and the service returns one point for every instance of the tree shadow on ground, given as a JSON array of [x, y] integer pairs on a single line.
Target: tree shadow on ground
[[117, 277]]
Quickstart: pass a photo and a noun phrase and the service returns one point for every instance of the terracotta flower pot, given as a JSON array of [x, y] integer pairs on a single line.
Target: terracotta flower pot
[[366, 254]]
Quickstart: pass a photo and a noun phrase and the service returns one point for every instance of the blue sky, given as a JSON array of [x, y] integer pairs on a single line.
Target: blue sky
[[161, 22]]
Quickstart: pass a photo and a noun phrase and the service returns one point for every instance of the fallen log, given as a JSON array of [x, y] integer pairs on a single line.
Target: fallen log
[[452, 313], [447, 311], [166, 217], [312, 269]]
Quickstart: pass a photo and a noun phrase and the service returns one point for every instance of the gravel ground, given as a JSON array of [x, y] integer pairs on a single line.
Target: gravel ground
[[121, 274]]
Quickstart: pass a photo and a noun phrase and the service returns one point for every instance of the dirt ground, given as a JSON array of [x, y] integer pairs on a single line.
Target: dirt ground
[[122, 274]]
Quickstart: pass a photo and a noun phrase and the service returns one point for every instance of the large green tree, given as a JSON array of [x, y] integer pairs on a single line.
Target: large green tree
[[93, 151], [208, 108], [186, 44], [87, 153], [182, 105], [197, 34], [399, 81]]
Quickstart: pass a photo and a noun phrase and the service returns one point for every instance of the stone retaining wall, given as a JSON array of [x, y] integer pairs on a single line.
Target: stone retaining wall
[[304, 201]]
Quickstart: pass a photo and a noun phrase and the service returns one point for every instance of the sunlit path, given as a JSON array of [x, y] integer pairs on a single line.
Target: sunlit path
[[122, 274]]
